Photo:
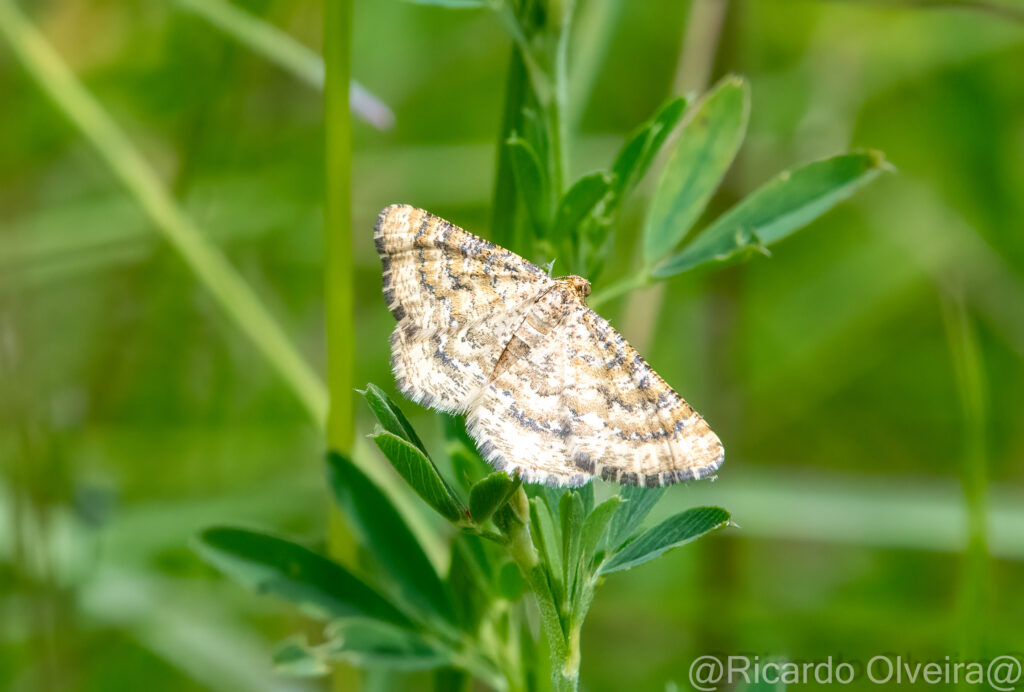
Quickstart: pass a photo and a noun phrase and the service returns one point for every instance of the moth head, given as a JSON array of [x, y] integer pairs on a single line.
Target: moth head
[[578, 285]]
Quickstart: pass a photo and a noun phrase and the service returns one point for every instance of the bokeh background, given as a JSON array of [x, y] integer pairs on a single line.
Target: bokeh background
[[867, 379]]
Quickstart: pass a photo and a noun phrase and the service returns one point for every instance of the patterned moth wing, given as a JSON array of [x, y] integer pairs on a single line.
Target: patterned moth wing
[[581, 402], [551, 391], [457, 298]]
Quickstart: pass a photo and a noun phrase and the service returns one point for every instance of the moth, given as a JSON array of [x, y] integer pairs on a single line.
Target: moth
[[549, 390]]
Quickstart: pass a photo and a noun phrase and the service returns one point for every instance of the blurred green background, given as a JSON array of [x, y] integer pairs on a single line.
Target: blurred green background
[[867, 380]]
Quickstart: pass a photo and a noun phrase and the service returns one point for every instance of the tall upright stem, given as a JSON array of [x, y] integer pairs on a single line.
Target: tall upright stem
[[970, 379], [338, 263], [337, 221]]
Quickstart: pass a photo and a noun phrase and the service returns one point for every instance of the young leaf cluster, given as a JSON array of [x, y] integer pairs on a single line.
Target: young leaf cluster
[[514, 550]]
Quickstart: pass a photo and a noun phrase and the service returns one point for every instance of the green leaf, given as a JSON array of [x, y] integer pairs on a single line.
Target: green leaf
[[545, 538], [577, 203], [529, 176], [790, 201], [452, 679], [510, 582], [491, 493], [419, 471], [587, 493], [638, 503], [364, 642], [469, 576], [467, 466], [708, 142], [285, 569], [381, 530], [552, 495], [671, 533], [390, 416], [643, 145], [594, 526], [571, 512]]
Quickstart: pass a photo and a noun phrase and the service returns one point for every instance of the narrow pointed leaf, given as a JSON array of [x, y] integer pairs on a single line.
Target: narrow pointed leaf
[[553, 497], [708, 142], [419, 472], [587, 494], [638, 503], [596, 523], [643, 145], [778, 208], [675, 531], [546, 539], [380, 528], [577, 203], [279, 567], [529, 176], [390, 416], [491, 493], [571, 514]]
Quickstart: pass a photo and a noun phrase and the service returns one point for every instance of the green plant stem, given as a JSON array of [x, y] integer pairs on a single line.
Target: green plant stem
[[231, 292], [970, 380], [641, 279], [339, 298], [564, 665]]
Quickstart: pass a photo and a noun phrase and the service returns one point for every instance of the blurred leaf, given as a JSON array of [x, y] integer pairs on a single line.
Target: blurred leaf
[[529, 176], [451, 679], [365, 642], [643, 145], [470, 577], [638, 503], [577, 203], [506, 221], [380, 529], [294, 656], [467, 466], [778, 208], [452, 4], [595, 525], [285, 569], [419, 472], [708, 142], [671, 533], [510, 582], [390, 416], [491, 493]]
